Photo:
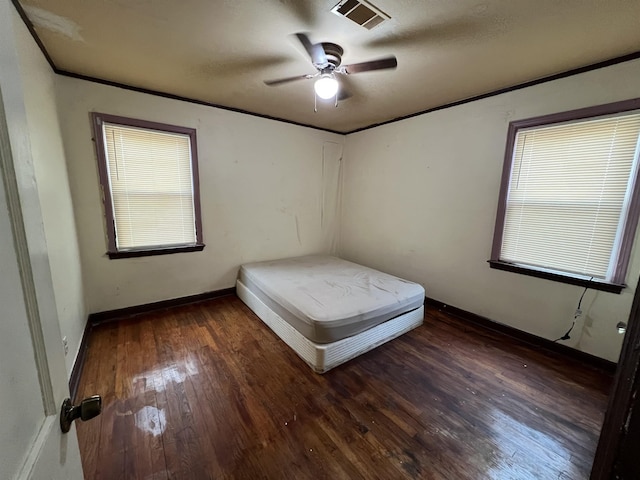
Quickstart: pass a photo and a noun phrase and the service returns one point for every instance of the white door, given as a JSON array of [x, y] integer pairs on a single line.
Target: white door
[[33, 380]]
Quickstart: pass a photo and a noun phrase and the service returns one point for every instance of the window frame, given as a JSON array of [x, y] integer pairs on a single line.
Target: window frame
[[97, 119], [631, 219]]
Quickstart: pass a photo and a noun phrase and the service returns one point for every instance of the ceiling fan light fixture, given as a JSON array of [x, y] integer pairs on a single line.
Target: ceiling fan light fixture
[[326, 86]]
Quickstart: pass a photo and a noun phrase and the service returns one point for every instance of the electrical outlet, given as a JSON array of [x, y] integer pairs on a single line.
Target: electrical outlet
[[65, 344]]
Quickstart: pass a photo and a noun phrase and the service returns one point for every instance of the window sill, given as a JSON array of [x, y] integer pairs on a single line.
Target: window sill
[[557, 277], [155, 251]]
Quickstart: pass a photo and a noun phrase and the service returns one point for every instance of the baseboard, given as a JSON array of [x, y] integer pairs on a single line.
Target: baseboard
[[120, 313], [524, 337], [78, 364], [99, 318]]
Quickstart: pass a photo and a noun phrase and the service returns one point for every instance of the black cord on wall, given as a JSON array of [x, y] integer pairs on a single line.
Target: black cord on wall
[[567, 336]]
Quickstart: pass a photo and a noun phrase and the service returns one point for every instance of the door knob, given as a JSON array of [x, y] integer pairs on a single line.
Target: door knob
[[89, 407]]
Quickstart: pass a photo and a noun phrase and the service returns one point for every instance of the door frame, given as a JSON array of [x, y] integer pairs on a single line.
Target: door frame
[[23, 259], [620, 397], [8, 176]]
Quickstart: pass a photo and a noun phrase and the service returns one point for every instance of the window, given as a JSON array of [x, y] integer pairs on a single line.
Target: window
[[568, 206], [149, 178]]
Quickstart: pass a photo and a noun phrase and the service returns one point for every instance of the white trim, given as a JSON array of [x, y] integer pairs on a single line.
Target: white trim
[[614, 262], [37, 446], [24, 263]]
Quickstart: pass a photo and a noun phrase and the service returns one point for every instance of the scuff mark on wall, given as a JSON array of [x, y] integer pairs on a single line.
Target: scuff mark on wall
[[298, 230], [55, 23]]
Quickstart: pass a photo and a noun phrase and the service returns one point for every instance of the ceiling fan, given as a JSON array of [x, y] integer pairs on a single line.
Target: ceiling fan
[[327, 58]]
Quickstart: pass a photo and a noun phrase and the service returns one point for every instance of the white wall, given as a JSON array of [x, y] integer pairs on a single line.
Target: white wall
[[420, 199], [261, 187], [53, 189]]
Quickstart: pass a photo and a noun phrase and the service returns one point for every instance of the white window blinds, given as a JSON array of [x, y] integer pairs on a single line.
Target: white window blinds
[[569, 195], [151, 186]]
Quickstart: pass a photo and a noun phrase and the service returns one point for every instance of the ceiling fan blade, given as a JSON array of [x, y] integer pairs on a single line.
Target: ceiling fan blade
[[315, 50], [344, 94], [230, 66], [445, 33], [303, 11], [348, 88], [381, 64], [280, 81]]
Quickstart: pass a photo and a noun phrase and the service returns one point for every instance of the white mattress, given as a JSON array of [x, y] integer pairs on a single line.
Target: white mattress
[[327, 299]]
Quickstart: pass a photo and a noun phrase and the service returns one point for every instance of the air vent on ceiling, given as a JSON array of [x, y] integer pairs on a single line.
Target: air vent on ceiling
[[360, 12]]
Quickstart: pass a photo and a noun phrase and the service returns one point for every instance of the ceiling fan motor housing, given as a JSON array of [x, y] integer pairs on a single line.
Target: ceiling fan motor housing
[[333, 53]]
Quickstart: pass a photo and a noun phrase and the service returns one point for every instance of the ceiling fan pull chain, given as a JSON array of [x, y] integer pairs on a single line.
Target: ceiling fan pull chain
[[315, 102]]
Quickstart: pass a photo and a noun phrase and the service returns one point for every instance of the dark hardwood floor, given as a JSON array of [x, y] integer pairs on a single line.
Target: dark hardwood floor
[[208, 391]]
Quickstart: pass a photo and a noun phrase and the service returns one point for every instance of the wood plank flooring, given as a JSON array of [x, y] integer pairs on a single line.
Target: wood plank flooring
[[208, 391]]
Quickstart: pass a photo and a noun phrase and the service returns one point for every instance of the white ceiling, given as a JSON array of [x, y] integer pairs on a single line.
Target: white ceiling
[[220, 51]]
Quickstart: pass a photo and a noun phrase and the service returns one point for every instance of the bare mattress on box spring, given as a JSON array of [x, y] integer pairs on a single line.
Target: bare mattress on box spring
[[326, 298]]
